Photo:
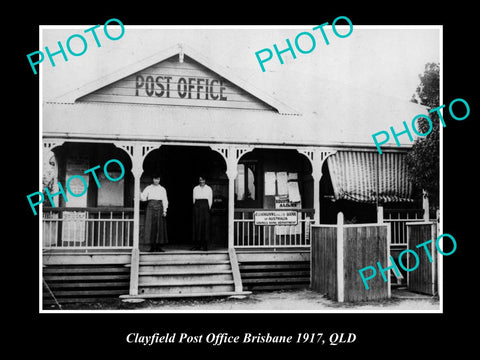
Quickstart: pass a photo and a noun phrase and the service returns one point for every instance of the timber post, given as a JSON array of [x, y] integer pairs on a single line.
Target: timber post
[[231, 155], [137, 153], [340, 259], [317, 158]]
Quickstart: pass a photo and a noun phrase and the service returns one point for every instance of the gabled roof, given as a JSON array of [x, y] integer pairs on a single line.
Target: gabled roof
[[180, 50], [333, 114]]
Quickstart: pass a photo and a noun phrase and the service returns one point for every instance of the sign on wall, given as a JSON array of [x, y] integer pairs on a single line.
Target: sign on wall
[[74, 226], [174, 82], [283, 218], [284, 202], [76, 165], [110, 193], [270, 183]]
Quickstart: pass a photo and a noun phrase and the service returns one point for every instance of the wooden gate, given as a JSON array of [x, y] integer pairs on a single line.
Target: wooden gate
[[424, 278], [339, 251]]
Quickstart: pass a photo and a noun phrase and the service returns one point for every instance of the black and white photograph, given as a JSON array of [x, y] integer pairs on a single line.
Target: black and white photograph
[[282, 183], [236, 168]]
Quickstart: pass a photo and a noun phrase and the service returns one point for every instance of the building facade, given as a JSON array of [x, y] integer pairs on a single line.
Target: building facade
[[181, 115]]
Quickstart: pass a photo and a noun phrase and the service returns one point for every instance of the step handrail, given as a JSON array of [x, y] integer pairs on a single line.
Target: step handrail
[[134, 270], [237, 280]]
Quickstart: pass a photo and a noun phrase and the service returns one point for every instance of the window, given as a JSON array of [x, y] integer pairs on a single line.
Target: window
[[245, 183]]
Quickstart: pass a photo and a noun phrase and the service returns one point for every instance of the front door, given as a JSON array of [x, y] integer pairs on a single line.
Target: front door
[[180, 167]]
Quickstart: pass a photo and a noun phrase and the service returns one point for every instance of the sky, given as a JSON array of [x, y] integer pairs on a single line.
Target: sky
[[386, 59]]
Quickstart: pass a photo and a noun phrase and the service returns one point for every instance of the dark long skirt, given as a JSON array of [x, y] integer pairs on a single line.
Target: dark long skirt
[[201, 223], [155, 225]]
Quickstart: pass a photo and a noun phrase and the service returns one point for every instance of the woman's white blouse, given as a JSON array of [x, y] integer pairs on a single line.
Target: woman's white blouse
[[203, 192], [155, 192]]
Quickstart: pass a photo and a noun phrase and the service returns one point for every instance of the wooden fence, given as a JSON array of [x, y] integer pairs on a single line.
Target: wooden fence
[[324, 260], [424, 278], [339, 251]]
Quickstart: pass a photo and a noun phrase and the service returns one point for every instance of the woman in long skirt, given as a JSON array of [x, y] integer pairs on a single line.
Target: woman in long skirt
[[155, 222], [202, 203]]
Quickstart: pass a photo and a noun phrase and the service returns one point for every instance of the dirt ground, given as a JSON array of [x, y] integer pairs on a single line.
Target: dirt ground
[[274, 301]]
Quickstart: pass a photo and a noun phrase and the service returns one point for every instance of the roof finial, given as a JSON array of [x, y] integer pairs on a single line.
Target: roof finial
[[180, 54]]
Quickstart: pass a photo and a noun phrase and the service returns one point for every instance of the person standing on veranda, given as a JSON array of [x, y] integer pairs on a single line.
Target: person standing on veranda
[[155, 219], [202, 203]]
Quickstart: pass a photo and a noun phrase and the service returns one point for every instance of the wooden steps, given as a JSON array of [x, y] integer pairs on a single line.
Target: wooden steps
[[186, 274], [187, 295]]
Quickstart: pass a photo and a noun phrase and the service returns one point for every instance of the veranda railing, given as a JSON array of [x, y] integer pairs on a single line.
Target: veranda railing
[[90, 227], [247, 234], [398, 219]]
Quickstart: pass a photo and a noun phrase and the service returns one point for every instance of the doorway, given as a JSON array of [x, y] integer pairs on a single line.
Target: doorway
[[179, 168]]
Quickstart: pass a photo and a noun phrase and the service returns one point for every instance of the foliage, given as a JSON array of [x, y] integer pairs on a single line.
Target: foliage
[[423, 160]]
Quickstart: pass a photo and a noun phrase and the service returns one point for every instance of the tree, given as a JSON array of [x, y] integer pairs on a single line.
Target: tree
[[423, 159]]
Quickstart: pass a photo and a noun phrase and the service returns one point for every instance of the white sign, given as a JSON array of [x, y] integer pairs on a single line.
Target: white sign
[[275, 218], [74, 226], [270, 179], [293, 192], [282, 183], [283, 202]]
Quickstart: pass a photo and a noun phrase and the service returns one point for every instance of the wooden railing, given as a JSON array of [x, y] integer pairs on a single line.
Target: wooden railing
[[247, 234], [89, 227], [398, 219]]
